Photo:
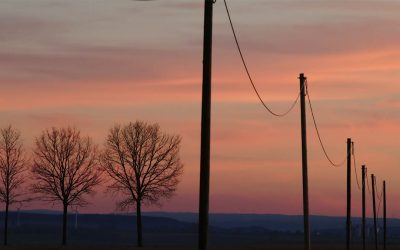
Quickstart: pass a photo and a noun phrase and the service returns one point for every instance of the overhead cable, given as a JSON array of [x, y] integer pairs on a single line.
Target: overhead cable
[[334, 164], [249, 75]]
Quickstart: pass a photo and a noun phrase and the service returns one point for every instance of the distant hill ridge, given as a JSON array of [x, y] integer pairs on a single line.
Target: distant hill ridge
[[43, 227], [187, 220]]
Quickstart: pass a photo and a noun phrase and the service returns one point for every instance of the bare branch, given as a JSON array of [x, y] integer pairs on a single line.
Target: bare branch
[[65, 166], [12, 165], [142, 162]]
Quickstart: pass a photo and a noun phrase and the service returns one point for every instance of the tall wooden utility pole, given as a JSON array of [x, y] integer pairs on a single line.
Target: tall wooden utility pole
[[304, 162], [384, 215], [374, 211], [363, 169], [348, 212], [205, 127]]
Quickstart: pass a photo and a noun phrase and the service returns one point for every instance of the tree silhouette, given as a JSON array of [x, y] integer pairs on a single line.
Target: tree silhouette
[[12, 167], [65, 169], [143, 164]]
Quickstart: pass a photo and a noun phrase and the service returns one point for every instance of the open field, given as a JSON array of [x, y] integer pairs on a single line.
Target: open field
[[321, 247], [111, 232], [278, 247]]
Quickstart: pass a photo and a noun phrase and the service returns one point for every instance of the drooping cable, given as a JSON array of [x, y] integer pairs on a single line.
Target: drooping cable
[[249, 75], [366, 177], [379, 198], [334, 164], [355, 164]]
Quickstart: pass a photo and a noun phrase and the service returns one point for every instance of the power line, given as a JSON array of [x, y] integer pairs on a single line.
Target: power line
[[366, 176], [318, 134], [293, 104], [249, 75], [379, 197], [355, 163]]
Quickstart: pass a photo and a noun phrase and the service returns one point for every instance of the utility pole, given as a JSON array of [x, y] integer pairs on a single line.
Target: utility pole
[[304, 162], [384, 215], [363, 169], [205, 127], [374, 211], [348, 214]]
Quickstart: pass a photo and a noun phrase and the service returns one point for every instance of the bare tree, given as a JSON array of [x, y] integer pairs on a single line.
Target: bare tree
[[12, 167], [65, 169], [143, 164]]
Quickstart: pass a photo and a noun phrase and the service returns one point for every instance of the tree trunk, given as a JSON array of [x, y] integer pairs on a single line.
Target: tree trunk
[[6, 225], [139, 223], [64, 236]]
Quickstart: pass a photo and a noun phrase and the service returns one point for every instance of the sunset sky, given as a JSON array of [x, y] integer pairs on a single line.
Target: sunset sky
[[94, 63]]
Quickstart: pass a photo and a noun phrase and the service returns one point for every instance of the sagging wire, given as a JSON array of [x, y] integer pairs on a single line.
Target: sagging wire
[[355, 164], [334, 164], [249, 75]]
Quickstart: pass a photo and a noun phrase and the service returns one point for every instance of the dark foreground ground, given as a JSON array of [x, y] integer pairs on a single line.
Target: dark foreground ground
[[28, 231], [281, 247]]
